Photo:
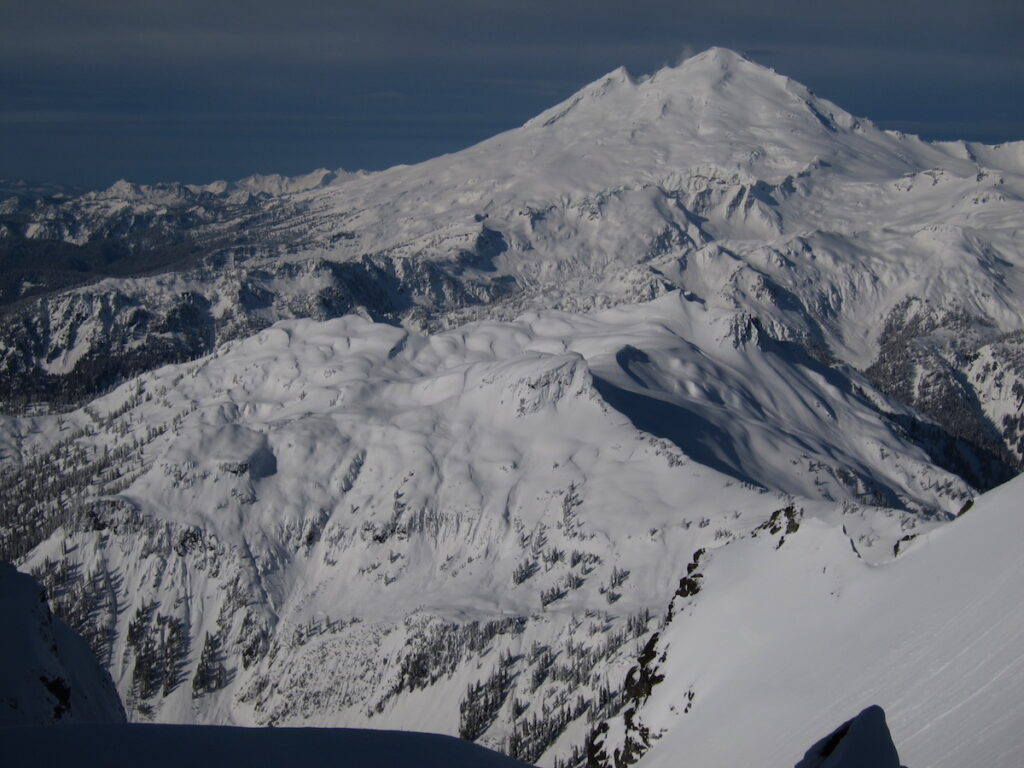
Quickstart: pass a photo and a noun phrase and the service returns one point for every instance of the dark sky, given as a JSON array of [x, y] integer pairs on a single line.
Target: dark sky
[[194, 90]]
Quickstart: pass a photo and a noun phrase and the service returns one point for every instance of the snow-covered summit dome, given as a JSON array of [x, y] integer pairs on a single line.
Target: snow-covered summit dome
[[719, 108]]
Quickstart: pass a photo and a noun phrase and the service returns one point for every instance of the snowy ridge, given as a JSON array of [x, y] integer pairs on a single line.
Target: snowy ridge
[[934, 637], [125, 207]]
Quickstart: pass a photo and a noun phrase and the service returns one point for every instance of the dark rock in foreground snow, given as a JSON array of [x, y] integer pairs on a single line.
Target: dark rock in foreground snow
[[862, 742]]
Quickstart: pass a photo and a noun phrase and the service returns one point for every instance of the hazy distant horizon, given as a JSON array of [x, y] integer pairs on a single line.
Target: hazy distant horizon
[[102, 91]]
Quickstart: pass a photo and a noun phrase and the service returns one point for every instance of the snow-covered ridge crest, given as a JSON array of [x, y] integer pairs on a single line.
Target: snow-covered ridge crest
[[820, 632], [290, 505], [258, 184]]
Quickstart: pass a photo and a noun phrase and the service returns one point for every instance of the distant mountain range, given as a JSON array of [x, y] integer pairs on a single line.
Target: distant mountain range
[[434, 448]]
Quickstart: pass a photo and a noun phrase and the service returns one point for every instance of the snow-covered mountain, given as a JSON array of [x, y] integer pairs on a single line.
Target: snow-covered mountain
[[435, 446], [719, 177], [124, 208], [336, 523], [48, 674]]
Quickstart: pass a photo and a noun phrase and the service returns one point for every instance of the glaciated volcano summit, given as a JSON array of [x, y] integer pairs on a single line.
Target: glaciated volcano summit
[[717, 109]]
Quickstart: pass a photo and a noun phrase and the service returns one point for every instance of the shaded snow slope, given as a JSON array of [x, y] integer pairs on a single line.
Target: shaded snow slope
[[786, 633], [48, 674], [169, 746]]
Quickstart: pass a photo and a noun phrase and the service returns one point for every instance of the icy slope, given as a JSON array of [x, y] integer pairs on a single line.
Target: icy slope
[[48, 674], [718, 176], [788, 632]]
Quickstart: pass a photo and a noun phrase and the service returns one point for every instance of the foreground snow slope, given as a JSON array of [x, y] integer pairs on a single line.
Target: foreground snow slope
[[169, 746], [48, 674], [784, 641]]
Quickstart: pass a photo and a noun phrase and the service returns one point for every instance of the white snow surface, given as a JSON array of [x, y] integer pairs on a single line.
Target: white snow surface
[[785, 641]]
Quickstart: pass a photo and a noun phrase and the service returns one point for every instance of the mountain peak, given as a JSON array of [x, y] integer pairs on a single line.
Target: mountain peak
[[717, 108], [706, 70], [715, 68], [717, 74], [722, 57]]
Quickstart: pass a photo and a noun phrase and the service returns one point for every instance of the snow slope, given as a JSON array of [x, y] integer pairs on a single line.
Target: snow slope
[[48, 674], [785, 638], [168, 746]]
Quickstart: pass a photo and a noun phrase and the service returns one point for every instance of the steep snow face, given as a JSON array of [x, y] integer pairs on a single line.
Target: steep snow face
[[777, 636], [335, 523], [48, 674], [718, 177]]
